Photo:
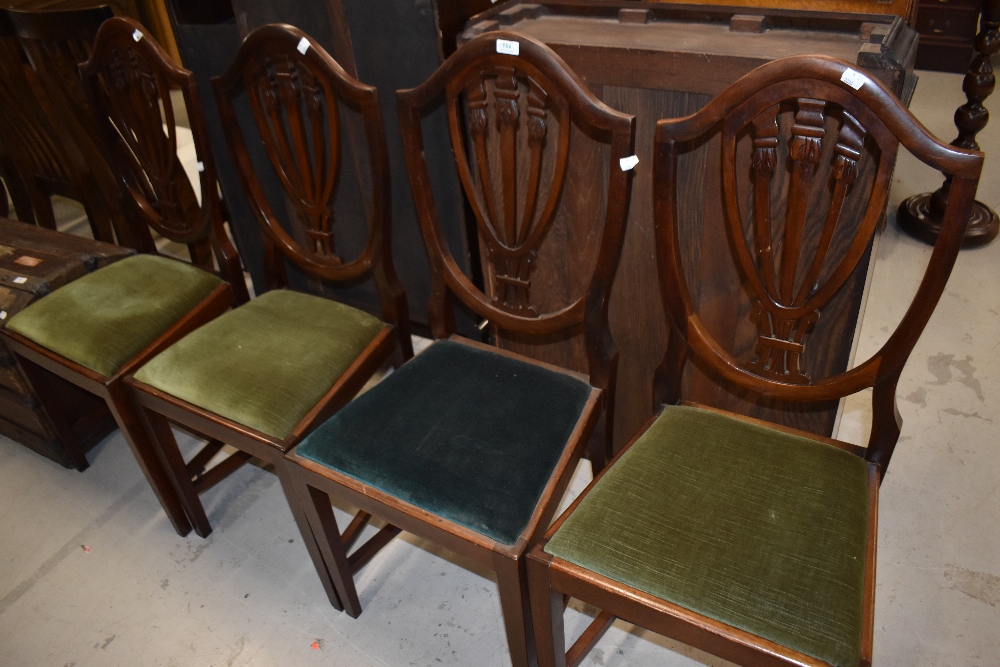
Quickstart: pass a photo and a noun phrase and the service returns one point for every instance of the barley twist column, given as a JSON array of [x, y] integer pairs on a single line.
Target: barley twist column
[[921, 215]]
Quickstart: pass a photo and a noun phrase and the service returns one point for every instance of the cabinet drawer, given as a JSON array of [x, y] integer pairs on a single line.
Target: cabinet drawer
[[948, 21]]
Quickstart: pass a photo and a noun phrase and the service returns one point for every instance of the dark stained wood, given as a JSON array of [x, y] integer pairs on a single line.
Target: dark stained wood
[[42, 156], [128, 80], [68, 422], [301, 100], [793, 274], [921, 215], [672, 66], [531, 104], [137, 86], [947, 31]]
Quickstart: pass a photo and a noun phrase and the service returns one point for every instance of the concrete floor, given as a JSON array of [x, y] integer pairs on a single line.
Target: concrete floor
[[92, 574]]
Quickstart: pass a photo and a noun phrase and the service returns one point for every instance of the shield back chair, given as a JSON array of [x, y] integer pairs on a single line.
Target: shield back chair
[[42, 155], [751, 541], [262, 376], [468, 445], [105, 325]]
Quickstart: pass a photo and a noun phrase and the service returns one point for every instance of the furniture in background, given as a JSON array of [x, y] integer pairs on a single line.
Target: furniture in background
[[749, 540], [261, 376], [904, 8], [387, 45], [947, 31], [659, 60], [105, 325], [33, 262], [921, 215], [466, 445], [47, 153]]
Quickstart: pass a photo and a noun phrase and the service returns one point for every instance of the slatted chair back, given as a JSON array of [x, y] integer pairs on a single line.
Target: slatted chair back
[[128, 80], [517, 124], [56, 42], [299, 97], [807, 123]]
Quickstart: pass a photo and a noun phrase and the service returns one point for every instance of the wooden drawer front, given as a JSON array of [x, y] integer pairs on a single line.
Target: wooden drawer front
[[948, 21]]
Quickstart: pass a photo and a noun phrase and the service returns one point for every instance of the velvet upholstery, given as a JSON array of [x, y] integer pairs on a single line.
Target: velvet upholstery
[[107, 317], [468, 434], [267, 363], [753, 527]]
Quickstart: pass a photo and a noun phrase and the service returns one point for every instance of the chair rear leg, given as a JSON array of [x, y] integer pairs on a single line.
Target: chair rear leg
[[513, 584]]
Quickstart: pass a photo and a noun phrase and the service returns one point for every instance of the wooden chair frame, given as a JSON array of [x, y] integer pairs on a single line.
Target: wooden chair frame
[[128, 80], [553, 581], [191, 478], [318, 484]]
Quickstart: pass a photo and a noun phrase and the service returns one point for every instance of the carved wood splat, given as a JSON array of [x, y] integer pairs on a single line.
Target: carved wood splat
[[299, 126], [510, 111], [786, 261]]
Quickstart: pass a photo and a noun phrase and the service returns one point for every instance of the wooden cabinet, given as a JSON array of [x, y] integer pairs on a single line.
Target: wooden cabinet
[[947, 31], [904, 8], [659, 60], [33, 262]]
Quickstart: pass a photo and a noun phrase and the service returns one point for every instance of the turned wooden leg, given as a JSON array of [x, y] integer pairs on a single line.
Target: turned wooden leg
[[921, 215]]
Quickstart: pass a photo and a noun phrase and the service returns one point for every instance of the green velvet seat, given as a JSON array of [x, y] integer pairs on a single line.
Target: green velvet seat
[[107, 317], [465, 433], [759, 529], [267, 363]]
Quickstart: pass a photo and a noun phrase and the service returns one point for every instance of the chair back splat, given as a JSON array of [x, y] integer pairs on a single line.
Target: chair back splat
[[798, 223], [515, 122], [320, 127], [128, 80]]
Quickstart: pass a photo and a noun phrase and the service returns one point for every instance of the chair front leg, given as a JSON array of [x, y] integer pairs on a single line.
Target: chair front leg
[[513, 583], [320, 518], [135, 429], [297, 503], [547, 605], [180, 477]]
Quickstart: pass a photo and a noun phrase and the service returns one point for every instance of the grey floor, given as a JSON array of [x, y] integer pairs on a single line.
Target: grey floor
[[92, 574]]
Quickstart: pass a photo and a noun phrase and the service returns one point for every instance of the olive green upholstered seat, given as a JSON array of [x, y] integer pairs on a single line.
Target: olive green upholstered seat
[[267, 363], [107, 317], [759, 529], [465, 433]]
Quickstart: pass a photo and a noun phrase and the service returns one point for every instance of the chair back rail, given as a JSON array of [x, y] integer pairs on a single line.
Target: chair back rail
[[514, 121], [128, 80], [794, 240], [300, 98]]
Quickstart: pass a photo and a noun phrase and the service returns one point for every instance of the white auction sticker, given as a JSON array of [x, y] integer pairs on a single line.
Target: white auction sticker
[[628, 163], [20, 280], [201, 166], [853, 78], [3, 314], [303, 46], [508, 46], [137, 35]]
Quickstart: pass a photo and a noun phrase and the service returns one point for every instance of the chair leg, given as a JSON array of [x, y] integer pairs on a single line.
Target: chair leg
[[547, 615], [163, 440], [134, 428], [513, 584], [297, 505], [319, 515]]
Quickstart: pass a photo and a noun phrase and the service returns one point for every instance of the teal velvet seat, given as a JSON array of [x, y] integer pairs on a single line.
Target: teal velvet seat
[[756, 528], [267, 363], [107, 317], [468, 434]]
